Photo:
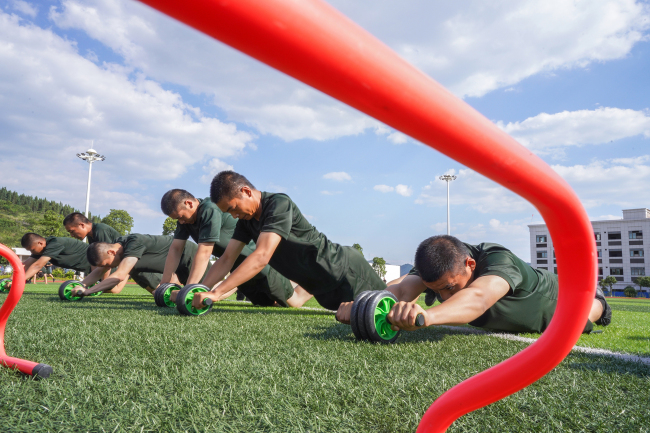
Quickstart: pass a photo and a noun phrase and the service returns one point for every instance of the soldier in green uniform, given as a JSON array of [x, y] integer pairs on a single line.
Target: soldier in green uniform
[[63, 252], [285, 240], [81, 227], [136, 253], [212, 229], [483, 285]]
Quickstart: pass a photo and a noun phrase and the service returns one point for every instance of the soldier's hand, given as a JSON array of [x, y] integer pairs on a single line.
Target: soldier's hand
[[197, 301], [173, 295], [343, 313], [402, 316]]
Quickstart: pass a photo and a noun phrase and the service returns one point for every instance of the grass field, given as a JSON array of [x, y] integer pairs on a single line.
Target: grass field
[[122, 364]]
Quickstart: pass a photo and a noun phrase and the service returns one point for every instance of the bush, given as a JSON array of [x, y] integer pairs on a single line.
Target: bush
[[630, 292]]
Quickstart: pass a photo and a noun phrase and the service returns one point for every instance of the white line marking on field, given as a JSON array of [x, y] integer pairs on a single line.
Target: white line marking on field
[[512, 337]]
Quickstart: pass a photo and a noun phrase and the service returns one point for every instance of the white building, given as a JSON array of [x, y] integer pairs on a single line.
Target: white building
[[621, 252], [22, 253]]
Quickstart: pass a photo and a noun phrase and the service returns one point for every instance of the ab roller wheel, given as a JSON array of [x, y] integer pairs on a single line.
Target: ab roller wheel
[[5, 285], [186, 295], [162, 295], [368, 317], [67, 288]]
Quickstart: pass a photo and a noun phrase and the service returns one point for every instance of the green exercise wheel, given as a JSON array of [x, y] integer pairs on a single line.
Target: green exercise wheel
[[162, 294], [185, 297], [5, 285], [67, 288]]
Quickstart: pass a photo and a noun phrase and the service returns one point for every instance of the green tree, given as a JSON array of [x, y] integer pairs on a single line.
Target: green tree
[[120, 220], [379, 265], [630, 292], [642, 282], [52, 224], [358, 248], [608, 282], [169, 226]]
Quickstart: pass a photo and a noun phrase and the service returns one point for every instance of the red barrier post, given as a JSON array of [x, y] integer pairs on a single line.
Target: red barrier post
[[16, 291], [312, 42]]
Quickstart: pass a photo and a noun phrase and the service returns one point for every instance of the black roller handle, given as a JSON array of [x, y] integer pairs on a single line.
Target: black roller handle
[[419, 320], [207, 302]]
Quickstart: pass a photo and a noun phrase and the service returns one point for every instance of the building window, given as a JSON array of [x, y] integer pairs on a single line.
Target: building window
[[616, 253], [636, 234], [613, 235], [636, 253], [555, 269], [600, 271], [543, 267], [542, 254], [615, 271], [541, 238], [638, 271], [597, 235], [600, 253]]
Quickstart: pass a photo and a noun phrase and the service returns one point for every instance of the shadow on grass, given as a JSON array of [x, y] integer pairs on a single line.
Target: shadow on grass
[[608, 364], [341, 332], [639, 338]]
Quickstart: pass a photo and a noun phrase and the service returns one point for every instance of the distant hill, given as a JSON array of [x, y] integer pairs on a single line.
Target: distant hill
[[405, 269], [21, 213]]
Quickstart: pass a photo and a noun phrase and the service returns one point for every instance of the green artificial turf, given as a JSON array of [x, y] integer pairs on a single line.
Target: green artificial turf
[[122, 364]]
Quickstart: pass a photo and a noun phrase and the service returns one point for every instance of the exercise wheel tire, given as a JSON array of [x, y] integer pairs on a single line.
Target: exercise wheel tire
[[185, 297], [66, 288], [354, 313], [162, 294], [5, 285], [361, 323], [377, 308]]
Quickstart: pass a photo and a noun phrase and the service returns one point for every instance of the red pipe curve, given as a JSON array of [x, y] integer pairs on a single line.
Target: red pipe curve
[[314, 43], [16, 291]]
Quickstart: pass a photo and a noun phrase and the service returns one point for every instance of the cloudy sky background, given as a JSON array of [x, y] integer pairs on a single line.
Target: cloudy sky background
[[170, 107]]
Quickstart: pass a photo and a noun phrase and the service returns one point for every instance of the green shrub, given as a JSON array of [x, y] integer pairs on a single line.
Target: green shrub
[[630, 292]]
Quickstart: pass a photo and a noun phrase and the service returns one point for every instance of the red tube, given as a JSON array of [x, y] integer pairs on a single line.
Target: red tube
[[16, 291], [312, 42]]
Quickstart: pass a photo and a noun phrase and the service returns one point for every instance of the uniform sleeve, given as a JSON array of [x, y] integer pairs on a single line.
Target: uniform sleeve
[[134, 247], [181, 232], [278, 216], [414, 271], [502, 265], [53, 249], [209, 225], [241, 233]]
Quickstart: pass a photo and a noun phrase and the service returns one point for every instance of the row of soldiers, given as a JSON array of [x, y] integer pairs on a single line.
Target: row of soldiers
[[270, 252]]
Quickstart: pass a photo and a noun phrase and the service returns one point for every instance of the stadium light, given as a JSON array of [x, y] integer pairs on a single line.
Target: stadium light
[[448, 178], [90, 156]]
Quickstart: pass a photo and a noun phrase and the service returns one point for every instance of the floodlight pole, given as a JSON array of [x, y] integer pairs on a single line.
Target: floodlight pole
[[448, 178], [90, 156]]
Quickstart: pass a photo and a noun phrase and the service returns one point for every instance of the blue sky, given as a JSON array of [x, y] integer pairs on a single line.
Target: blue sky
[[169, 107]]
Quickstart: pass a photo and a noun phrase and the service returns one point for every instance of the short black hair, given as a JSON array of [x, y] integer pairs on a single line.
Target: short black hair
[[74, 219], [438, 255], [172, 198], [95, 252], [226, 185], [29, 239]]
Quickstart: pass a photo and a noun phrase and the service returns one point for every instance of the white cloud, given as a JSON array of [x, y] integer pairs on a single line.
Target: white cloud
[[547, 132], [473, 190], [214, 167], [55, 102], [470, 47], [384, 188], [404, 190], [621, 182], [513, 235], [331, 192], [397, 138], [339, 176], [25, 8]]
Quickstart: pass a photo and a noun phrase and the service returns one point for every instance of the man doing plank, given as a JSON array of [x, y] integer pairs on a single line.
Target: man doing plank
[[81, 227], [212, 229], [136, 253], [484, 285], [63, 252], [285, 240]]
